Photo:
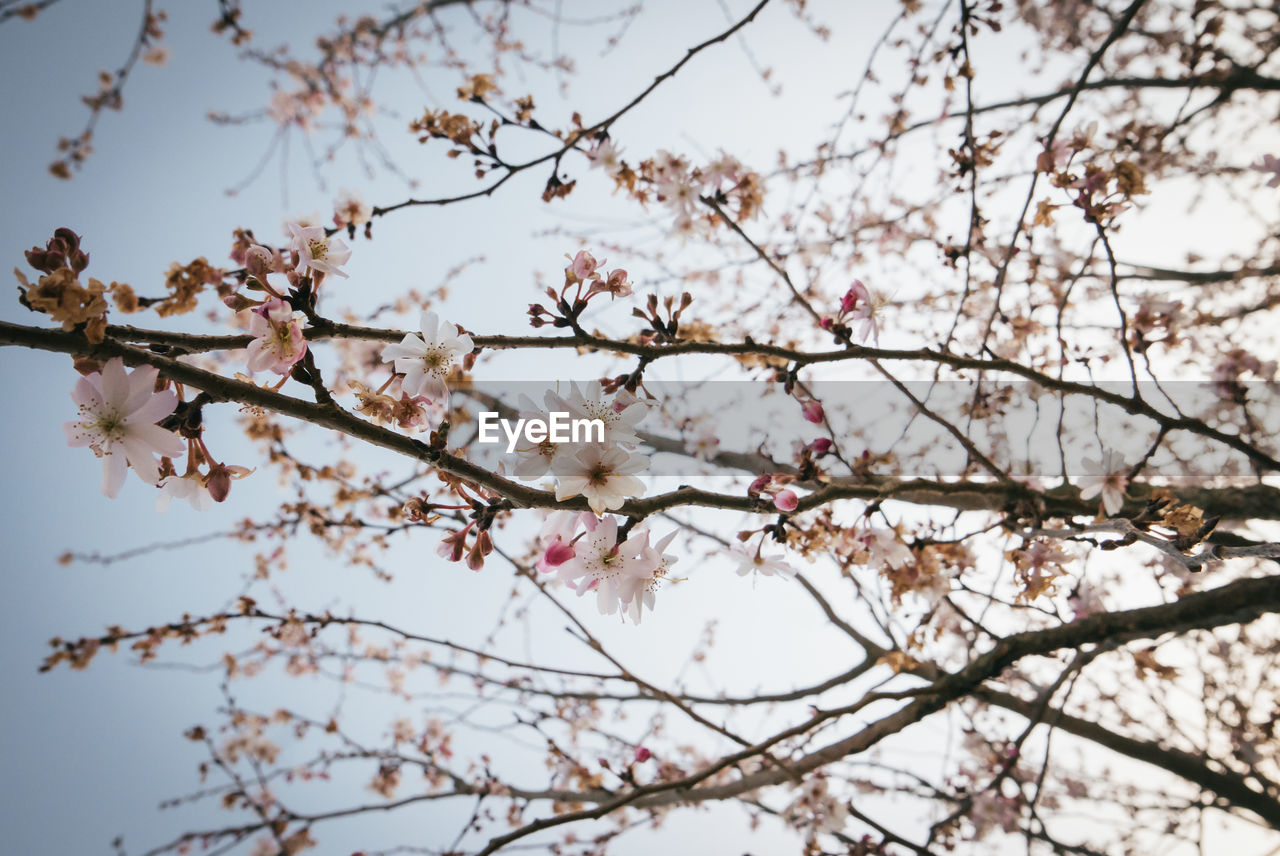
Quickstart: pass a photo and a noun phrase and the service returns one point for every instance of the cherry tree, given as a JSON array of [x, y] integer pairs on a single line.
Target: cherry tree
[[941, 389]]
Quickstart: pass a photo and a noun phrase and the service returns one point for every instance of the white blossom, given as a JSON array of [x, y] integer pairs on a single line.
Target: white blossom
[[604, 475], [426, 361], [1105, 476], [316, 251]]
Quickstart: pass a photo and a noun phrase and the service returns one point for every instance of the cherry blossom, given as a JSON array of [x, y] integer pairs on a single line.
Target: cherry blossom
[[559, 532], [755, 562], [190, 487], [350, 209], [582, 267], [885, 549], [816, 809], [117, 416], [1086, 600], [533, 460], [316, 252], [278, 339], [993, 810], [620, 416], [426, 361], [602, 564], [604, 475], [1105, 475], [605, 155], [637, 589]]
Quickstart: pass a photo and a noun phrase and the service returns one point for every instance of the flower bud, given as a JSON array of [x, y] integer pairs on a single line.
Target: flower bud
[[218, 482], [786, 500]]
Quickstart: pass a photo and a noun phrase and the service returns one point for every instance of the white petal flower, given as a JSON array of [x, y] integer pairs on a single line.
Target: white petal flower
[[637, 588], [885, 549], [620, 417], [316, 251], [191, 488], [118, 412], [601, 564], [533, 460], [604, 475], [754, 562], [426, 362], [1105, 476]]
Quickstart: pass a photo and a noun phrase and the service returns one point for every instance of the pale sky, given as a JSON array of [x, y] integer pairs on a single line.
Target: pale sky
[[87, 756]]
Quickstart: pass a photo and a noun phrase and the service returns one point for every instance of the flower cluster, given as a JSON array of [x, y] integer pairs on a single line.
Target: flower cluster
[[600, 468], [682, 188], [583, 276], [585, 553], [59, 292]]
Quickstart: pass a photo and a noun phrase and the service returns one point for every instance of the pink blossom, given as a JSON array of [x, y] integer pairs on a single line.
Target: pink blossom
[[583, 266], [557, 553], [117, 416], [278, 338]]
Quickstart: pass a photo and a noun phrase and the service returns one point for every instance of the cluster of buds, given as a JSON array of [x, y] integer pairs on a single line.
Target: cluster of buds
[[454, 546], [774, 486], [660, 331], [62, 250], [196, 487], [408, 412], [484, 510], [59, 292], [583, 276]]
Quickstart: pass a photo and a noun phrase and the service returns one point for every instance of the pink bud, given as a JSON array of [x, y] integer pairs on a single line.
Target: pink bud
[[786, 500], [236, 302], [258, 261], [451, 547], [558, 553], [760, 483], [642, 754], [820, 446], [813, 411]]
